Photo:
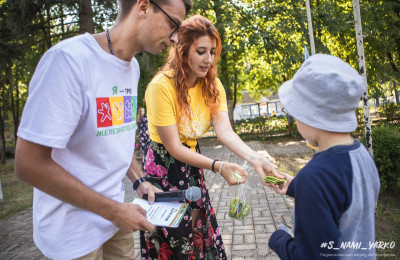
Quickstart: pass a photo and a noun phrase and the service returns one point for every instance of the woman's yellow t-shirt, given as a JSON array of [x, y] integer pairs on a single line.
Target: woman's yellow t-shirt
[[163, 109]]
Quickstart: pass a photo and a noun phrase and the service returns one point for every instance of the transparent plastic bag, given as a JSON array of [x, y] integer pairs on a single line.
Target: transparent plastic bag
[[240, 199]]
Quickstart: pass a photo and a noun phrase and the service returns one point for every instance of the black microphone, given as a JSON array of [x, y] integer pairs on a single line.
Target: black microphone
[[192, 194]]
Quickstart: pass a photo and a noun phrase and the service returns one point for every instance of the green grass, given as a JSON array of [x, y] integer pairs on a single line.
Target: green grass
[[291, 165], [17, 195], [387, 218]]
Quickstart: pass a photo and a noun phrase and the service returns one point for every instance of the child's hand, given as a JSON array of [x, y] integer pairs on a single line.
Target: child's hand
[[282, 188]]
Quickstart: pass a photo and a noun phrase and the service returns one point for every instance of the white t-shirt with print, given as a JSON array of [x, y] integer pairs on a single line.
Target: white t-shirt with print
[[82, 103]]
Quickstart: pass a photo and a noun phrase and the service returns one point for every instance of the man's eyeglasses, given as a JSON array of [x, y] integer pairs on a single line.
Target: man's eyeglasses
[[169, 17]]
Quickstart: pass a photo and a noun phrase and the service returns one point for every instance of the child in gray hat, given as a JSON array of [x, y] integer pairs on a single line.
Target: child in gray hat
[[336, 192]]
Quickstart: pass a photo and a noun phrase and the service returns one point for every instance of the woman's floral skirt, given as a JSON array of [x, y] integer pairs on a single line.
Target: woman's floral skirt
[[204, 242]]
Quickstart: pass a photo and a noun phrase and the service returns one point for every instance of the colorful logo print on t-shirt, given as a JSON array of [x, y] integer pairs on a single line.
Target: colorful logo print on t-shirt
[[113, 111]]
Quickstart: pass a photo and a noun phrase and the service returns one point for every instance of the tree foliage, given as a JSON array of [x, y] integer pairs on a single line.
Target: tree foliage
[[263, 41]]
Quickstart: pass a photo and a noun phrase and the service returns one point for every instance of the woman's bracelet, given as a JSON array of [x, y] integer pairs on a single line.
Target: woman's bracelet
[[212, 166], [220, 167], [138, 182]]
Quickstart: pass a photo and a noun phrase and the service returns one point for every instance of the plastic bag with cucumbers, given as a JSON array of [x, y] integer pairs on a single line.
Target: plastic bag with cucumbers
[[240, 198]]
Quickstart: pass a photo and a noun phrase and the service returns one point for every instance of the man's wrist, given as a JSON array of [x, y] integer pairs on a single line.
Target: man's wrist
[[109, 209], [139, 181]]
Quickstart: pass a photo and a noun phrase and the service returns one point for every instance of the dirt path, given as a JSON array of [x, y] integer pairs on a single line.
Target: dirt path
[[290, 156]]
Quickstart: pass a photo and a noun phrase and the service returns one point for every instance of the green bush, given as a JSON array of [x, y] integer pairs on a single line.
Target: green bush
[[391, 111], [259, 128], [386, 147]]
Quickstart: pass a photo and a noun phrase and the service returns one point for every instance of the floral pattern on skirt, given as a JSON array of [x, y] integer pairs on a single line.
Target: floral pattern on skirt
[[144, 138], [204, 242]]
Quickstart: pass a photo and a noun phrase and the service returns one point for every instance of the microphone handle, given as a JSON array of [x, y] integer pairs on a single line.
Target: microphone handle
[[168, 196]]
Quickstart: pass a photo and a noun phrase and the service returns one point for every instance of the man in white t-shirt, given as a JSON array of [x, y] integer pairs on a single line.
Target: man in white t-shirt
[[76, 137]]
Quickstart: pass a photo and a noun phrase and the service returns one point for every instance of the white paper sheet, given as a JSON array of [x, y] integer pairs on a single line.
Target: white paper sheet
[[163, 214]]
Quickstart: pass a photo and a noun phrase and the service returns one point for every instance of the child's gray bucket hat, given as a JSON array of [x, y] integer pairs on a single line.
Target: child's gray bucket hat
[[324, 94]]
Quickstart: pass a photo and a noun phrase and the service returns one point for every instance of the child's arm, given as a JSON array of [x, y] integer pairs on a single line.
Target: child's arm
[[316, 218]]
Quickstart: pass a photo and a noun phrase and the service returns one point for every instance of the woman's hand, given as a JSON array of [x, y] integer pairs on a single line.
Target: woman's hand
[[264, 168], [228, 170], [282, 188]]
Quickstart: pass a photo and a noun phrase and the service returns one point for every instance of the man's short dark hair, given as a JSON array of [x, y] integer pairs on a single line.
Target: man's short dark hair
[[125, 6]]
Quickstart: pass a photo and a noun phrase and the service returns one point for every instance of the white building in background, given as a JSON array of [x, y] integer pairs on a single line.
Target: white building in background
[[251, 109]]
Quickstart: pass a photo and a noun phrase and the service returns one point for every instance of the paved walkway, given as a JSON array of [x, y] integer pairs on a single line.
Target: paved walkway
[[243, 239]]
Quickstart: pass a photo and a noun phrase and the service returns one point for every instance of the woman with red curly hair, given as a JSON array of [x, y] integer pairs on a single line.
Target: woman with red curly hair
[[182, 101]]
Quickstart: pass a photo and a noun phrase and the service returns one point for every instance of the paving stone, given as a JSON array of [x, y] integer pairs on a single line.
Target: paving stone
[[243, 251], [249, 239], [226, 237], [243, 231], [237, 239], [262, 250], [243, 239], [238, 258]]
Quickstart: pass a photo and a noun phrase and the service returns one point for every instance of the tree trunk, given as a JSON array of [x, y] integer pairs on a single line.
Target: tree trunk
[[396, 70], [47, 31], [3, 111], [310, 27], [2, 86], [235, 85], [224, 74], [2, 141], [234, 94], [1, 193], [62, 20], [15, 102], [363, 72], [85, 17]]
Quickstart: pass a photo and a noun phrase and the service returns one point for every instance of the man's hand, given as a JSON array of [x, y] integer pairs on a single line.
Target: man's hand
[[148, 188], [130, 217]]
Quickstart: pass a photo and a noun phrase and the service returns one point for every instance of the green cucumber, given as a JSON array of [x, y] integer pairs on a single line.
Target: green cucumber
[[239, 209], [273, 180]]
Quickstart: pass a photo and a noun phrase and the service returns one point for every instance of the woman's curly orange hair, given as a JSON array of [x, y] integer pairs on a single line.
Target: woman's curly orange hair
[[178, 61]]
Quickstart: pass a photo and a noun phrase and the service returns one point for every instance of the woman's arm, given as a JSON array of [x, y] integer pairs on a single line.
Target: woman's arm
[[170, 139], [231, 140]]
